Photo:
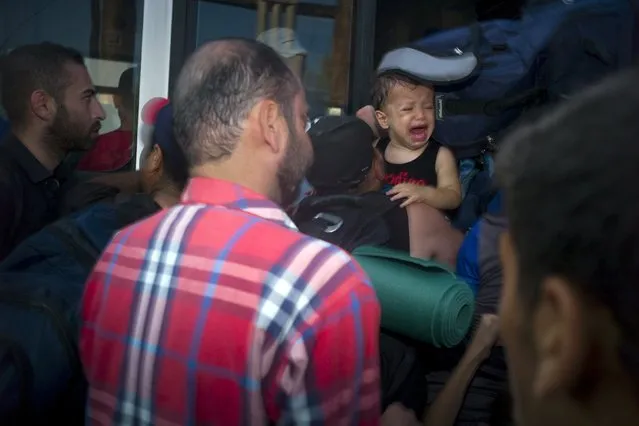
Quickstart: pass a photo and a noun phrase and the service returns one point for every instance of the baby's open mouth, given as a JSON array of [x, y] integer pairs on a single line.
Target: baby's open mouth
[[419, 133]]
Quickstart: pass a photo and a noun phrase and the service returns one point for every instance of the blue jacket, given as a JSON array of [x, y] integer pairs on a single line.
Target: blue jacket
[[42, 284], [469, 257]]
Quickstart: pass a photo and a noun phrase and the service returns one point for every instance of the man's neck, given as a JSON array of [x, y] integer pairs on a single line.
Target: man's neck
[[166, 197], [252, 178], [43, 148]]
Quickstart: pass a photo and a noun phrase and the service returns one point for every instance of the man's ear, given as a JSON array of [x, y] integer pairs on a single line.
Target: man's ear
[[155, 160], [382, 119], [560, 337], [272, 124], [43, 105]]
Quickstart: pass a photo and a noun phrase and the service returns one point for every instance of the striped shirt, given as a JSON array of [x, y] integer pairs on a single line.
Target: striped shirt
[[219, 312]]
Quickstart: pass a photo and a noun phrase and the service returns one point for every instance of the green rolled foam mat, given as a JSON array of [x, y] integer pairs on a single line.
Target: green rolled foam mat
[[421, 299]]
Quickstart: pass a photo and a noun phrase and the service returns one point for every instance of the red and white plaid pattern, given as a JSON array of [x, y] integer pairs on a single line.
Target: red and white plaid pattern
[[218, 311]]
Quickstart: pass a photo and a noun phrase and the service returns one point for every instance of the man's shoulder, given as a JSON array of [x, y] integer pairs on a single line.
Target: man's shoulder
[[326, 267], [272, 245], [153, 217], [205, 229], [135, 236], [13, 177], [293, 243], [121, 213], [7, 162], [321, 277]]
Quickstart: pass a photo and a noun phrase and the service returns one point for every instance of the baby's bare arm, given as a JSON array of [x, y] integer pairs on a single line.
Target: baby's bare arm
[[447, 194]]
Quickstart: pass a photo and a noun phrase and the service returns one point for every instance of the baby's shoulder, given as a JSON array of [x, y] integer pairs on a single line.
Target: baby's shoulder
[[445, 154]]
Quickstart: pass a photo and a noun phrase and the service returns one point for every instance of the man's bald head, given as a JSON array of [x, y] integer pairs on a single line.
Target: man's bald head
[[216, 90]]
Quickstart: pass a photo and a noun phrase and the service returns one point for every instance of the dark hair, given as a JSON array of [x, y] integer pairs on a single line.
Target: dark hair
[[216, 90], [34, 67], [384, 83], [175, 167], [572, 199], [126, 88]]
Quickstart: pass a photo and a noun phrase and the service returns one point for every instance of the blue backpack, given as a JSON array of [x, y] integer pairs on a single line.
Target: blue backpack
[[41, 285], [557, 48]]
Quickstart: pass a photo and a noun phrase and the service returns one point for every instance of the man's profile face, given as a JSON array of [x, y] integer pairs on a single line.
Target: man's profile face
[[79, 114]]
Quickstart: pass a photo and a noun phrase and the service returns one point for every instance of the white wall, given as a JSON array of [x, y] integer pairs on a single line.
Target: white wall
[[156, 54]]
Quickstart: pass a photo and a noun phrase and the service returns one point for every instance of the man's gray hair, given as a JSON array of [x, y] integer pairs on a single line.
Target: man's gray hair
[[216, 90]]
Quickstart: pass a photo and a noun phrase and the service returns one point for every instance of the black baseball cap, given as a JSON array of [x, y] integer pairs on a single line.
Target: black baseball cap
[[343, 148]]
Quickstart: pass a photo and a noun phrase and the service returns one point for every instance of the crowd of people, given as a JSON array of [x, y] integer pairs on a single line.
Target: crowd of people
[[202, 296]]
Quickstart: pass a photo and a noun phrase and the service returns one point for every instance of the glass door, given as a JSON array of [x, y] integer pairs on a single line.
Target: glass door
[[313, 36]]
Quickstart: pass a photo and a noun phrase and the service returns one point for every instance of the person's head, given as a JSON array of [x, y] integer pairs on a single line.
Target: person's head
[[240, 114], [46, 90], [345, 160], [124, 99], [404, 107], [163, 165], [571, 260]]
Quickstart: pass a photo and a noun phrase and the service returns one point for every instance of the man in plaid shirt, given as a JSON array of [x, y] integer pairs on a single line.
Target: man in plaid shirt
[[218, 311]]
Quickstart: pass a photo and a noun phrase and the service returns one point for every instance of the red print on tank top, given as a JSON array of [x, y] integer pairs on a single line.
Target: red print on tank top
[[403, 177]]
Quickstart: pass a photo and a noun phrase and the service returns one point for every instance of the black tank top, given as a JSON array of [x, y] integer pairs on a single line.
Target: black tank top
[[420, 171]]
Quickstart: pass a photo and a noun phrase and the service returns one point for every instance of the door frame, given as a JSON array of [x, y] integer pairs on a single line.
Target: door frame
[[155, 58]]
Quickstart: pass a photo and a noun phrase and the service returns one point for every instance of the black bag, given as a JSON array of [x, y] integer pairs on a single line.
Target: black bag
[[348, 221], [402, 375]]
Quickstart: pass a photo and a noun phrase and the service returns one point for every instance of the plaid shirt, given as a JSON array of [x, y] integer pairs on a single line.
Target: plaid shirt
[[219, 312]]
